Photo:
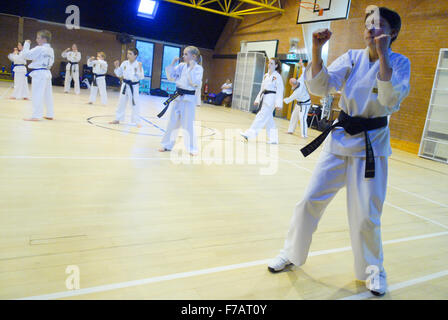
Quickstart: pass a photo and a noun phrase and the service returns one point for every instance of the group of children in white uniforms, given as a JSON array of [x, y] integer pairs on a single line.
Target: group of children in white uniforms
[[373, 82]]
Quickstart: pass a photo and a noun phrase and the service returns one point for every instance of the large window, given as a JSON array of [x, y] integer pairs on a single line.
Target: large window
[[169, 53], [146, 53]]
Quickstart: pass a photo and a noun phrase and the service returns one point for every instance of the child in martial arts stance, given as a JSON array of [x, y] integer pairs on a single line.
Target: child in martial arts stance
[[269, 98], [72, 68], [188, 77], [42, 58], [99, 77], [374, 82], [300, 111], [20, 81], [131, 71]]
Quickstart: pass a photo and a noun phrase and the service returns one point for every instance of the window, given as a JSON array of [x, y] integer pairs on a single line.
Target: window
[[169, 53], [145, 56], [147, 9]]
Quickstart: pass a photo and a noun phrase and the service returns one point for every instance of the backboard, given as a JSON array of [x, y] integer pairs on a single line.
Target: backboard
[[322, 10]]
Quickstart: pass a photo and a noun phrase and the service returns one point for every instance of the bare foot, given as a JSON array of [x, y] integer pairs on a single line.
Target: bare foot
[[26, 99], [12, 98], [48, 118], [31, 119], [163, 150], [114, 122], [138, 125], [290, 132], [89, 102]]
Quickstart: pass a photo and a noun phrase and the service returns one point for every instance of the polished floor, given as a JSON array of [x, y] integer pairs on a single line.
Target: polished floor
[[90, 210]]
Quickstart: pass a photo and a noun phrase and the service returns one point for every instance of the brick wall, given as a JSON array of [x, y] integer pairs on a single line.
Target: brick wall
[[424, 31]]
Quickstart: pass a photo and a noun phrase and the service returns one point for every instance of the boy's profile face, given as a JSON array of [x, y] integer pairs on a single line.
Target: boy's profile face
[[131, 56]]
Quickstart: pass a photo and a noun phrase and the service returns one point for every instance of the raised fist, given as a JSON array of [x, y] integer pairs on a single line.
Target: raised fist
[[320, 37], [382, 43]]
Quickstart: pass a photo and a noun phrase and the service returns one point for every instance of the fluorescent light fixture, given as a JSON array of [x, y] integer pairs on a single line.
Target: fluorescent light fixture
[[147, 9]]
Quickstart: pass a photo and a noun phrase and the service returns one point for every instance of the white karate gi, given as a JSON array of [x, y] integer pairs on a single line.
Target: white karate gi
[[129, 71], [41, 88], [301, 108], [265, 117], [72, 71], [342, 161], [99, 68], [20, 81], [183, 107]]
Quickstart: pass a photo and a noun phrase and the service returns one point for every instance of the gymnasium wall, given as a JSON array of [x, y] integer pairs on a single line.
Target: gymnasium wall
[[424, 31]]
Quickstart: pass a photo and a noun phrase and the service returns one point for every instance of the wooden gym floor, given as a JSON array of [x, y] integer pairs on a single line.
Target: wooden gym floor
[[78, 194]]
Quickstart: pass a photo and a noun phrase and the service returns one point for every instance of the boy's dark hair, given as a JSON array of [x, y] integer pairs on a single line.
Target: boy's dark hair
[[392, 17], [134, 51]]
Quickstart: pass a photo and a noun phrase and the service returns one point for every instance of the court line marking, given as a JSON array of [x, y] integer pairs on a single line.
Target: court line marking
[[392, 205], [416, 215], [418, 196], [188, 274], [400, 285]]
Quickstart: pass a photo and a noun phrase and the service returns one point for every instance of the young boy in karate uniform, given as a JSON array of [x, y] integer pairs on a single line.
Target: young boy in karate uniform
[[373, 82], [20, 80], [72, 68], [99, 69], [188, 78], [42, 57], [131, 71], [269, 98], [300, 111]]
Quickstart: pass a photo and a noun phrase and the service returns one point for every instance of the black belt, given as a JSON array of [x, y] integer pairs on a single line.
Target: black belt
[[31, 70], [131, 85], [95, 76], [179, 92], [303, 102], [71, 65], [352, 125], [261, 101]]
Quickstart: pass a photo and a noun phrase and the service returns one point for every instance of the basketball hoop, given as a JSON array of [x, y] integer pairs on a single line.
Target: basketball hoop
[[312, 6]]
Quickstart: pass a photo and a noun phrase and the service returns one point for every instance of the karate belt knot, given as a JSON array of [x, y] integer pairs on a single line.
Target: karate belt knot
[[177, 93], [352, 125], [262, 97], [32, 70], [130, 84], [71, 67], [300, 103], [95, 76]]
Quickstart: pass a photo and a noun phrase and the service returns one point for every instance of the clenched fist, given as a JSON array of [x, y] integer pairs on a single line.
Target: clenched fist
[[320, 37], [382, 43]]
